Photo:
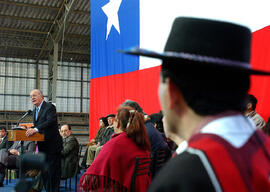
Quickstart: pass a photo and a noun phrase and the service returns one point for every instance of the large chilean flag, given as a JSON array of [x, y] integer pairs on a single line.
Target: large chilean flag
[[115, 77], [120, 24]]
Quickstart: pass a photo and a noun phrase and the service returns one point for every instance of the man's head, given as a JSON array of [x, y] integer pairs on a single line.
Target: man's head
[[110, 119], [36, 97], [205, 69], [156, 119], [133, 104], [65, 131], [207, 86], [251, 103], [3, 132]]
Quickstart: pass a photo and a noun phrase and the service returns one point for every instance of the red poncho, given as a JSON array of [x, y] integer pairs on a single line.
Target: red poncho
[[113, 168]]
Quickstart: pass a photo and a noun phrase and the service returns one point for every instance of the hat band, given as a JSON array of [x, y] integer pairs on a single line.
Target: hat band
[[206, 59]]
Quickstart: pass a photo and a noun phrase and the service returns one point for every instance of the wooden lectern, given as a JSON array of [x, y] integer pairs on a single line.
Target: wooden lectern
[[19, 135]]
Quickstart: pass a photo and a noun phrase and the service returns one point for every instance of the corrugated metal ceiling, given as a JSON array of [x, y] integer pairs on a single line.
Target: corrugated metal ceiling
[[25, 24]]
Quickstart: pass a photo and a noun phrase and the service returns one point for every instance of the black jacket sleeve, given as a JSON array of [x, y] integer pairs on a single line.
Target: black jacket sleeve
[[185, 172]]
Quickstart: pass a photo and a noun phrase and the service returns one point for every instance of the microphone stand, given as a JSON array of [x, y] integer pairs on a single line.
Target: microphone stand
[[27, 113], [22, 142]]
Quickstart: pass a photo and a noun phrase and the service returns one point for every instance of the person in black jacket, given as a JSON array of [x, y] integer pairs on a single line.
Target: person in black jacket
[[45, 122], [4, 143], [69, 154]]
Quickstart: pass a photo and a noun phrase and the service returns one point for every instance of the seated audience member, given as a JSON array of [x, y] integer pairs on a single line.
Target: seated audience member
[[252, 114], [103, 123], [94, 142], [114, 166], [4, 143], [9, 157], [107, 133], [156, 140], [69, 153]]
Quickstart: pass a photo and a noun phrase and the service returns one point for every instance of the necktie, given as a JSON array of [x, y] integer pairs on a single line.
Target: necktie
[[37, 113]]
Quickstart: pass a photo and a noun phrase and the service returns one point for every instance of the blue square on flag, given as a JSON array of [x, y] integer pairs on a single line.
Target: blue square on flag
[[114, 26]]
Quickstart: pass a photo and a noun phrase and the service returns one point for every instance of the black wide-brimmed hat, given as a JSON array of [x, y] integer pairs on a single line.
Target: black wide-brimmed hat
[[207, 42]]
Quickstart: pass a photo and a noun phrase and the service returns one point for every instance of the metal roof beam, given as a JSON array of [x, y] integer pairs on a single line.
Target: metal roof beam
[[40, 20], [25, 19], [70, 35], [50, 30], [47, 50], [40, 6], [23, 30], [62, 24], [28, 5]]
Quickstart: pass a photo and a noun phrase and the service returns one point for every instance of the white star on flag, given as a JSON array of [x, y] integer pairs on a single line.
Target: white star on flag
[[111, 11]]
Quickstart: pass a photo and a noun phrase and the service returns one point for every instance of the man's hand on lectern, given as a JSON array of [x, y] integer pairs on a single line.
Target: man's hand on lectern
[[30, 132]]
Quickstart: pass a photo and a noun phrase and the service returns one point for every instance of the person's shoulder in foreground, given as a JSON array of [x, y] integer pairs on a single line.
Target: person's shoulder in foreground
[[184, 172]]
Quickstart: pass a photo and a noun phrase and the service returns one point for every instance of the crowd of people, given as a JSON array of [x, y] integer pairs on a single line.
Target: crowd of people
[[208, 123]]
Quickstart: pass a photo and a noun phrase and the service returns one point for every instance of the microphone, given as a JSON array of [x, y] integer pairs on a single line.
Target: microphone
[[27, 113]]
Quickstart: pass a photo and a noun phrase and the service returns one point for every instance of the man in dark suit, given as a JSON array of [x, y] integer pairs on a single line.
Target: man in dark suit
[[45, 122], [4, 143]]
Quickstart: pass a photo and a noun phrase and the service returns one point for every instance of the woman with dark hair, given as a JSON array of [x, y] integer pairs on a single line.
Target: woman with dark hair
[[113, 168]]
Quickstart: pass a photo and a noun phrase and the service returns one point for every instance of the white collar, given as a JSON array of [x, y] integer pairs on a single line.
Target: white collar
[[235, 129], [182, 147]]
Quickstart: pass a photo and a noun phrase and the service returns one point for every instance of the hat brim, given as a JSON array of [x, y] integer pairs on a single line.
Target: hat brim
[[218, 62]]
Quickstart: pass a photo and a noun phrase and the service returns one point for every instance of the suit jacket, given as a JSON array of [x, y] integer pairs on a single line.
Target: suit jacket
[[69, 157], [29, 146], [47, 124], [5, 144]]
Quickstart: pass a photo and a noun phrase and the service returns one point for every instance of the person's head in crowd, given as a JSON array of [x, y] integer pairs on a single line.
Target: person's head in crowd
[[110, 119], [65, 131], [133, 104], [156, 119], [36, 97], [201, 92], [131, 121], [251, 103], [3, 131], [103, 122]]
